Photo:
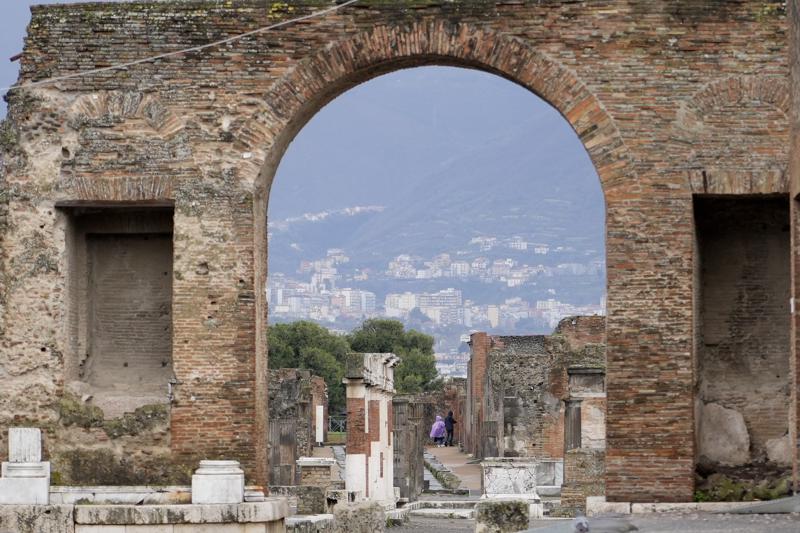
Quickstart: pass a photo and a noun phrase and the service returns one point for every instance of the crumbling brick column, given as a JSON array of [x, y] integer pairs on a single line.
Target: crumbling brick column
[[369, 464], [476, 374]]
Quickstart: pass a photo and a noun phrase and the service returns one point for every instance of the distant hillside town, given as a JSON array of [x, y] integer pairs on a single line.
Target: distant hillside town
[[336, 293]]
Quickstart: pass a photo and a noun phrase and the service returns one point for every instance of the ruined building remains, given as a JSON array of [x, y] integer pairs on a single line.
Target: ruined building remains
[[538, 395], [295, 398], [369, 463], [133, 205]]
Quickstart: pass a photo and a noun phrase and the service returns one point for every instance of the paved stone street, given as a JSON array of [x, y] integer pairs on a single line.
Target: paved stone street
[[683, 523], [457, 462]]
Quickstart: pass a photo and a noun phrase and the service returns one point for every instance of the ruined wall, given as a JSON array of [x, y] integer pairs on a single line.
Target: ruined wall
[[744, 340], [291, 428], [584, 475], [669, 98], [319, 404], [528, 380], [410, 437]]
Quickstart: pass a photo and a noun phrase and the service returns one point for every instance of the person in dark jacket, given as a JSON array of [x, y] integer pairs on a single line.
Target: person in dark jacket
[[448, 426]]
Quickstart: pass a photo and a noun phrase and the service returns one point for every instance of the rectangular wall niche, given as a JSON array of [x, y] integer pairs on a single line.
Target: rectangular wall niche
[[120, 306], [743, 334]]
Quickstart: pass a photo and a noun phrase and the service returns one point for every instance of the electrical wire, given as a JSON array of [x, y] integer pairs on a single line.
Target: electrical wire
[[57, 79]]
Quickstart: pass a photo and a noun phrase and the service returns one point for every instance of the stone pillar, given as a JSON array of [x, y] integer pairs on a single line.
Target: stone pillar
[[218, 482], [572, 425], [369, 381], [25, 477]]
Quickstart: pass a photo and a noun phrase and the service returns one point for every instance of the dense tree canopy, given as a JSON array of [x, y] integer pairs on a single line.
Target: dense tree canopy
[[310, 346], [417, 369]]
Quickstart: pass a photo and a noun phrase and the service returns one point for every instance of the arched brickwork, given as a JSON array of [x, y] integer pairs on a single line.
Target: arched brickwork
[[316, 80], [151, 131], [734, 134]]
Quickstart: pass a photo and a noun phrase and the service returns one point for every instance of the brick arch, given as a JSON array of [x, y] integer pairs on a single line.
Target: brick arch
[[109, 107], [316, 80], [731, 136], [153, 137]]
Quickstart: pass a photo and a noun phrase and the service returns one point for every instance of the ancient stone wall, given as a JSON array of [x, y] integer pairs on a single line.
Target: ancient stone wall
[[410, 436], [529, 379], [291, 428], [669, 98], [584, 474]]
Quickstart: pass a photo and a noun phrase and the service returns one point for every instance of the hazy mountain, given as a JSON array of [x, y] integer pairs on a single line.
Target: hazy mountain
[[449, 154]]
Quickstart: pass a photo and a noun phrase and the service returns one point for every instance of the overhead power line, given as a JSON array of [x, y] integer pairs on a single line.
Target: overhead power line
[[74, 75]]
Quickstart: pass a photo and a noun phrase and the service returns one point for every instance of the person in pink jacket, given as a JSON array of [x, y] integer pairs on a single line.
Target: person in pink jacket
[[438, 432]]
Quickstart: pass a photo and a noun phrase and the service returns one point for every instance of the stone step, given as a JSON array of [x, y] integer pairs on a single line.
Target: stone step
[[466, 514], [446, 504]]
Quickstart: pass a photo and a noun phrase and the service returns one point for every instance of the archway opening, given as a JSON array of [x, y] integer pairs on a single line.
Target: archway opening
[[451, 200]]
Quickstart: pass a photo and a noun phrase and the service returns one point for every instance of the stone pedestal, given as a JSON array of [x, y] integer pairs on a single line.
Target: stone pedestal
[[217, 482], [522, 478], [25, 477], [316, 471]]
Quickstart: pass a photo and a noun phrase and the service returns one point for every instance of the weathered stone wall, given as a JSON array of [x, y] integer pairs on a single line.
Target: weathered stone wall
[[291, 427], [410, 437], [669, 98], [527, 382], [584, 475], [744, 337]]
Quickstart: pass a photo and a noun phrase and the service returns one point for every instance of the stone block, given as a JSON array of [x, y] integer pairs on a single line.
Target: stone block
[[597, 505], [362, 517], [724, 438], [24, 445], [780, 450], [25, 490], [41, 469], [321, 523], [37, 518], [311, 500], [337, 496], [270, 510], [502, 516], [218, 482], [509, 477], [99, 529], [316, 461], [149, 529]]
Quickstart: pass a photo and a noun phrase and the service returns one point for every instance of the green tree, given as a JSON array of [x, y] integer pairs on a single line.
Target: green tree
[[417, 369], [307, 345]]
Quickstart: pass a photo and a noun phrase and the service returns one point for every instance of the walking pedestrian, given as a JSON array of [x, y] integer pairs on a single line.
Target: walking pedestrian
[[448, 426], [438, 432]]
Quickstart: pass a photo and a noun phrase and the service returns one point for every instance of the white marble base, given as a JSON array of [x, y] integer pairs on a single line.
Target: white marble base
[[315, 461], [25, 490], [41, 469], [506, 478], [218, 482]]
